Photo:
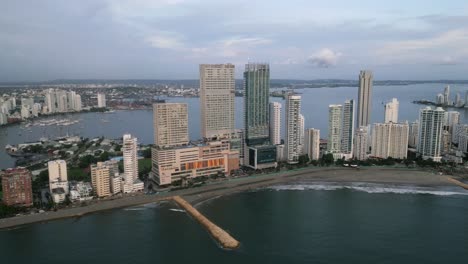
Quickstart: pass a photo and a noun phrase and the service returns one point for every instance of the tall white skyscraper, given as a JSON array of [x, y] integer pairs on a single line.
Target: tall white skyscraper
[[364, 98], [275, 123], [101, 100], [78, 105], [170, 124], [447, 95], [293, 126], [312, 144], [390, 140], [335, 122], [361, 143], [458, 101], [391, 111], [430, 133], [130, 160], [347, 134], [466, 99], [217, 92]]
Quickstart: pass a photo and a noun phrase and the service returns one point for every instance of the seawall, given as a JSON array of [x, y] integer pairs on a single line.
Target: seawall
[[224, 239]]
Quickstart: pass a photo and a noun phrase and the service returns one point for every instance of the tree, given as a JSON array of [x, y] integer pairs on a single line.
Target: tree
[[303, 159], [86, 161], [147, 153], [327, 159], [104, 156]]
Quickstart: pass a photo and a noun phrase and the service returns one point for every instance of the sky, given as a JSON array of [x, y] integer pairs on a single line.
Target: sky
[[168, 39]]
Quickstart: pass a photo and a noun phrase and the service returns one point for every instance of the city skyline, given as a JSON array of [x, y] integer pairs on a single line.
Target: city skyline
[[168, 39]]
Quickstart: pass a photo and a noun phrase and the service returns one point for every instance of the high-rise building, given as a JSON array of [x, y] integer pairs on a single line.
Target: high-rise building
[[17, 187], [451, 119], [347, 133], [313, 143], [130, 163], [275, 123], [413, 134], [102, 175], [170, 124], [440, 99], [293, 127], [466, 99], [335, 124], [364, 98], [458, 101], [458, 131], [217, 91], [101, 100], [58, 180], [301, 133], [361, 143], [78, 104], [391, 111], [390, 140], [430, 133], [447, 95], [463, 141], [446, 142], [260, 153]]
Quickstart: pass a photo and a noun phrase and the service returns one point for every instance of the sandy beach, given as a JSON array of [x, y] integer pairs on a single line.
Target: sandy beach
[[394, 176]]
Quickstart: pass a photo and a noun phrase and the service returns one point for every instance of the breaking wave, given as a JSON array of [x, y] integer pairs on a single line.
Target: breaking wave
[[369, 188], [177, 210]]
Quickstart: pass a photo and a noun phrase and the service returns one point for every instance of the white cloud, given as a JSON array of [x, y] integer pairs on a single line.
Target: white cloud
[[161, 41], [324, 58]]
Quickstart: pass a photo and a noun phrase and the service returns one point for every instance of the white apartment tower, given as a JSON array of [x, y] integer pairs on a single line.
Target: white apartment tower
[[347, 134], [335, 123], [391, 111], [447, 95], [301, 132], [430, 133], [293, 126], [217, 92], [101, 100], [390, 140], [364, 98], [170, 124], [130, 160], [275, 123], [413, 134], [313, 143], [451, 119], [361, 143], [58, 180]]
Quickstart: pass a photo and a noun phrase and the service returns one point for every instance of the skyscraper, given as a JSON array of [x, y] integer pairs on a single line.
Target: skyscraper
[[466, 99], [293, 127], [130, 161], [447, 95], [364, 98], [275, 123], [260, 153], [101, 100], [451, 119], [313, 143], [101, 176], [347, 134], [170, 124], [335, 123], [413, 134], [301, 132], [217, 91], [390, 140], [391, 111], [361, 143], [430, 133]]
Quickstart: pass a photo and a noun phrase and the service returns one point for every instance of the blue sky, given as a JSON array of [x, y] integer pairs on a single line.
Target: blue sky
[[167, 39]]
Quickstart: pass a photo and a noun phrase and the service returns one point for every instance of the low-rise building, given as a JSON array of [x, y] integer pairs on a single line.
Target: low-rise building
[[186, 162]]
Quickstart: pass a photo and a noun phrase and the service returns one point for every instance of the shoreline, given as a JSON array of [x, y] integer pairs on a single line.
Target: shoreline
[[196, 196]]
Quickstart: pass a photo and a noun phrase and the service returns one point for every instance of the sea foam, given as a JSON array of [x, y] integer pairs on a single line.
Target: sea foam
[[368, 188]]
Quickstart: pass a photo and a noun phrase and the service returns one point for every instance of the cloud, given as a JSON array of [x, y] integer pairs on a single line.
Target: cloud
[[165, 41], [325, 58]]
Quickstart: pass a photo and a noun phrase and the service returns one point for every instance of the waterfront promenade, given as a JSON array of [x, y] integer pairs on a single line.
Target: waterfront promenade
[[395, 176]]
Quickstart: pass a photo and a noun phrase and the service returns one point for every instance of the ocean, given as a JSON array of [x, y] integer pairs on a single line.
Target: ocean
[[294, 223]]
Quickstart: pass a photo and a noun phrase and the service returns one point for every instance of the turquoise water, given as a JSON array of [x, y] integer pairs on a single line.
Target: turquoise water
[[288, 224]]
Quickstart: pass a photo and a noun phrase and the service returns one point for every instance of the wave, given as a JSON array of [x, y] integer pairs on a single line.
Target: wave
[[177, 210], [369, 188]]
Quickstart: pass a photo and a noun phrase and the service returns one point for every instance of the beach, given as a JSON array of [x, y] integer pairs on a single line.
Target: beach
[[394, 176]]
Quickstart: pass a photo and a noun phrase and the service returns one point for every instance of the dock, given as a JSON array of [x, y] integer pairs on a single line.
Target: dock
[[457, 182], [223, 237]]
